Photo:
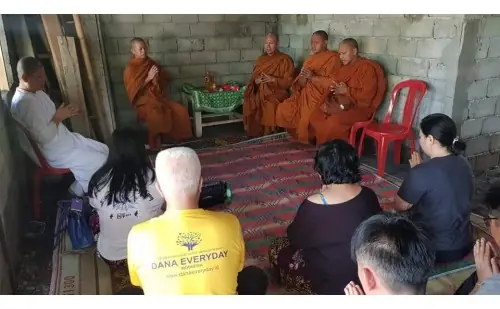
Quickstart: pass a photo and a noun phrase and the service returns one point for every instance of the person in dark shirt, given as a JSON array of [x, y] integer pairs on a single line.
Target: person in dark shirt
[[437, 193], [315, 257], [393, 256]]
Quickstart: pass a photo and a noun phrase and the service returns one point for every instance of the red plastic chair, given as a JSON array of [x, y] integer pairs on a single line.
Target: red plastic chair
[[386, 131], [43, 170], [356, 126]]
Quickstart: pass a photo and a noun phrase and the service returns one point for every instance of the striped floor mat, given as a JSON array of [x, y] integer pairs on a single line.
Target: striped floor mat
[[269, 177]]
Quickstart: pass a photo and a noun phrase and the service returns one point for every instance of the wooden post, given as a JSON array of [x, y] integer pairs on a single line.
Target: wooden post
[[92, 92], [4, 82], [53, 29], [73, 84]]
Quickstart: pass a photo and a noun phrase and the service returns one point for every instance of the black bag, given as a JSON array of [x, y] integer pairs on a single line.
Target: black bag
[[215, 193]]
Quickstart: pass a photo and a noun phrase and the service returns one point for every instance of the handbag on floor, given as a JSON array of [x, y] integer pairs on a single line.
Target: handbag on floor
[[215, 193], [75, 219]]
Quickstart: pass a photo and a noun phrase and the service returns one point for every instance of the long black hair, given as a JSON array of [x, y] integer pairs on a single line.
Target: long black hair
[[444, 130], [127, 170]]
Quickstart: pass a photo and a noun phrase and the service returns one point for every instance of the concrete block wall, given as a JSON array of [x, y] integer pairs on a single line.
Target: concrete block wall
[[186, 46], [481, 126], [422, 47]]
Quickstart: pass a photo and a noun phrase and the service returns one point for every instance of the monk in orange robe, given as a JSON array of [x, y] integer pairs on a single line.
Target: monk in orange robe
[[357, 91], [309, 88], [146, 84], [271, 78]]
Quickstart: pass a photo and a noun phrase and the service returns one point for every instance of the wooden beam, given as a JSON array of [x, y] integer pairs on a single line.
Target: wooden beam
[[6, 66], [93, 37], [4, 81], [73, 84], [24, 46], [92, 91], [53, 30]]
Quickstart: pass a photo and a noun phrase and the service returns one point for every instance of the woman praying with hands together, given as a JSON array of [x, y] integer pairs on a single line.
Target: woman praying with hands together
[[437, 192]]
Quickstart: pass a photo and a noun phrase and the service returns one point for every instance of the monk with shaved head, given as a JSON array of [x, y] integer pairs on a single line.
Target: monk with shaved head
[[188, 250], [272, 76], [146, 86], [309, 88], [356, 92]]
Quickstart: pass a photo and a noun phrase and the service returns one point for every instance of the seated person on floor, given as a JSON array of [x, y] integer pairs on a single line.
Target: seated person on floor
[[357, 91], [187, 250], [146, 86], [309, 88], [124, 193], [486, 250], [437, 193], [314, 258], [394, 257], [272, 76], [34, 110]]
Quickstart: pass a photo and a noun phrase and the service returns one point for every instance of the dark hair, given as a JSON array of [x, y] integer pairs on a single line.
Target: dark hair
[[322, 34], [127, 170], [396, 249], [337, 163], [444, 130], [252, 281], [351, 42], [492, 197]]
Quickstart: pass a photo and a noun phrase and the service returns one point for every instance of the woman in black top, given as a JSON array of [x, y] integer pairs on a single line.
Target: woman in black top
[[315, 257], [437, 193]]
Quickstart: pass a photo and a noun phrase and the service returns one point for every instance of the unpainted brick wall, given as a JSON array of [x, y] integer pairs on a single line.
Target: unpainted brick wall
[[481, 125], [187, 46], [417, 46]]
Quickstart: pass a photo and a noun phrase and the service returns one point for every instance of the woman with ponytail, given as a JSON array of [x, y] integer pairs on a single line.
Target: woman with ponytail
[[437, 192]]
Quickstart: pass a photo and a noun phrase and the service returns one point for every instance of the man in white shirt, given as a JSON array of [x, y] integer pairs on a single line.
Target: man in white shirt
[[34, 110]]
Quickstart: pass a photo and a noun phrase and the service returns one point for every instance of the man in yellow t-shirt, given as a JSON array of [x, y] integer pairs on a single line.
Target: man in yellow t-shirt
[[187, 250]]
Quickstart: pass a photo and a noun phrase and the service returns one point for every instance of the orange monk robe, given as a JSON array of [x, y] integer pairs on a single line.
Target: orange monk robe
[[366, 86], [260, 101], [293, 114], [162, 115]]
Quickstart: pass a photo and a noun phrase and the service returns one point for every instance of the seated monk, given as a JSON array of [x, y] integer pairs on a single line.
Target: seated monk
[[357, 91], [272, 76], [146, 83], [309, 88]]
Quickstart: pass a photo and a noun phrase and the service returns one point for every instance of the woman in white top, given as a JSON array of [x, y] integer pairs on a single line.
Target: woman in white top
[[123, 192]]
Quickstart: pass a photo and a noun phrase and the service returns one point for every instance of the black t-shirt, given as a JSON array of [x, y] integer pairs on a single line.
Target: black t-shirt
[[440, 191]]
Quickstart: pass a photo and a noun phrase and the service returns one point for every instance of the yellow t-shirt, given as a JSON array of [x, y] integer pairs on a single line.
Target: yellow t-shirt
[[187, 252]]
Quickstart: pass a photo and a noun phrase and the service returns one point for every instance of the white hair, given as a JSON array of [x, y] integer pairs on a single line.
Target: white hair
[[178, 171]]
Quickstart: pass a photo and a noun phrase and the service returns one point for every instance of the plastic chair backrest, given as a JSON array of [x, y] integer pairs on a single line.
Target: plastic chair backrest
[[416, 91], [41, 159]]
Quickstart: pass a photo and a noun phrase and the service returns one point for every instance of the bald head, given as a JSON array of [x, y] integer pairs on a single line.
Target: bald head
[[348, 50], [350, 42], [178, 171], [319, 42], [31, 73], [138, 48], [322, 34], [271, 42], [27, 66]]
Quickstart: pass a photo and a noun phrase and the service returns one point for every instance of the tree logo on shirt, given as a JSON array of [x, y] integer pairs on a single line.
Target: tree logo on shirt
[[189, 240]]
